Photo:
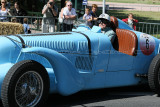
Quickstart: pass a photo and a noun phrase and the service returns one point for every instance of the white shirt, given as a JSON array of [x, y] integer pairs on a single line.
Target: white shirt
[[130, 23], [67, 12], [48, 16], [86, 17], [3, 13]]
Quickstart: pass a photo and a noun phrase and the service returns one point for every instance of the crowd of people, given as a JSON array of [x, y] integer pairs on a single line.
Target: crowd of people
[[68, 15], [65, 17], [17, 11]]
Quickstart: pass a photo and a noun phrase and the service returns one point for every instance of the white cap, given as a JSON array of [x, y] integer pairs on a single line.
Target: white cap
[[104, 16]]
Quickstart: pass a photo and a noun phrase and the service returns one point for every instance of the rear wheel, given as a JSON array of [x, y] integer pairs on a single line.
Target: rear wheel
[[154, 74], [25, 85]]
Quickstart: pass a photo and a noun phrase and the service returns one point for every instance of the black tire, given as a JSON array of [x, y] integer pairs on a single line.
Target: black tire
[[23, 79], [154, 75]]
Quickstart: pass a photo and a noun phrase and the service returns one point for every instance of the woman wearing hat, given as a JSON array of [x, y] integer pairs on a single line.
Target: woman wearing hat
[[104, 24]]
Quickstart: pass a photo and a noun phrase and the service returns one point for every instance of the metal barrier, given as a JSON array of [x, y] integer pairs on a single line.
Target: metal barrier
[[149, 28], [35, 24]]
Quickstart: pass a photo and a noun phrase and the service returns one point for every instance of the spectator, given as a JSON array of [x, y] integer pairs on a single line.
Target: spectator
[[18, 11], [37, 23], [61, 16], [104, 24], [4, 11], [14, 20], [131, 21], [69, 16], [87, 17], [94, 15], [49, 12], [26, 26]]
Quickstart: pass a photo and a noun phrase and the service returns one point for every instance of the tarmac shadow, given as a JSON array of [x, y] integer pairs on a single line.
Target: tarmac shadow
[[100, 95]]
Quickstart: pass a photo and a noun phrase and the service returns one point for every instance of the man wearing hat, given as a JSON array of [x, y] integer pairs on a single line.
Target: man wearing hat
[[104, 24]]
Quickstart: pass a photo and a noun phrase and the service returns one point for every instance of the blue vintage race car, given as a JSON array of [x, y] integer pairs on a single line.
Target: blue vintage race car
[[34, 65]]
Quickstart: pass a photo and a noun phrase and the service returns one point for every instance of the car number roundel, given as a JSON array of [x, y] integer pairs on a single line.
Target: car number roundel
[[147, 44]]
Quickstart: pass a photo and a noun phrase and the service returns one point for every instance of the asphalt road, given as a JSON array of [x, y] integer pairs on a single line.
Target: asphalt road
[[140, 96], [115, 97]]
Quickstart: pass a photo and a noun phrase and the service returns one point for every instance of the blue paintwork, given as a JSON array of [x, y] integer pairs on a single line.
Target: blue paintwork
[[68, 83], [123, 25], [70, 66]]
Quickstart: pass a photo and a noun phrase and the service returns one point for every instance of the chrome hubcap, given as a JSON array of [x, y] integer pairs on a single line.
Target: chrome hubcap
[[29, 89]]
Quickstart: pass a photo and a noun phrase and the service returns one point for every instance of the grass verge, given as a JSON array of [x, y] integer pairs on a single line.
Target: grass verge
[[151, 2], [142, 16]]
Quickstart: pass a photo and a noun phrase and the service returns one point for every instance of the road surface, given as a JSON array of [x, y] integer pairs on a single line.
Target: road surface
[[116, 97], [127, 6]]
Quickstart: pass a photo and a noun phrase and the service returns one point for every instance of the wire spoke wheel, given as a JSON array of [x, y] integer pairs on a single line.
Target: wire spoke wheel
[[29, 89], [25, 85]]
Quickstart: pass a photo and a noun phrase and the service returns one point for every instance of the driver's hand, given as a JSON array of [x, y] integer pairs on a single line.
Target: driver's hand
[[95, 18]]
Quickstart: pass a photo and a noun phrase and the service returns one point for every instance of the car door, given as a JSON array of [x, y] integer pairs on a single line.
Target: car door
[[119, 61], [126, 43]]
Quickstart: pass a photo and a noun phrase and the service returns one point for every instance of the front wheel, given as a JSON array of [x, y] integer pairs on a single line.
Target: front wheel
[[25, 85], [154, 75]]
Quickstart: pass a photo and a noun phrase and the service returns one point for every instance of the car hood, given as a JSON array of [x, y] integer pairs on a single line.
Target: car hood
[[70, 42]]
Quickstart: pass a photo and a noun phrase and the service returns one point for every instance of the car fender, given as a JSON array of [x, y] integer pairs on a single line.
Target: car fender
[[4, 69], [69, 80]]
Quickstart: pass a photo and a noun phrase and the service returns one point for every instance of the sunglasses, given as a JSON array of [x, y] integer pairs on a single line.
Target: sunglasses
[[102, 21], [3, 2], [69, 5]]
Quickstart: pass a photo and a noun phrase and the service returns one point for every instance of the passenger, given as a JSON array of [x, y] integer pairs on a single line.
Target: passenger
[[94, 15], [104, 24], [49, 12], [87, 17], [69, 16], [131, 21]]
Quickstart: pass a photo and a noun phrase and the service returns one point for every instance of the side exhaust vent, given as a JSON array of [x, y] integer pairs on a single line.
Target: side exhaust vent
[[84, 63]]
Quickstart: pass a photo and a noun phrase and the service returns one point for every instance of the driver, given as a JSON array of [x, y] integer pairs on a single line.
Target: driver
[[104, 24]]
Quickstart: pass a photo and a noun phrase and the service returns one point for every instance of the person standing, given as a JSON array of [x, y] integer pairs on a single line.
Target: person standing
[[17, 11], [49, 12], [87, 17], [69, 15], [131, 21], [26, 26], [61, 16], [94, 15], [4, 11]]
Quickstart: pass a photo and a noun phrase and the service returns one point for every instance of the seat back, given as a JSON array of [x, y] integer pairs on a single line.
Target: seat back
[[114, 23], [127, 41]]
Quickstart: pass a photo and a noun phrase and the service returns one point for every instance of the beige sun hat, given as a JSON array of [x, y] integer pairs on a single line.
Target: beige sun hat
[[104, 16]]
